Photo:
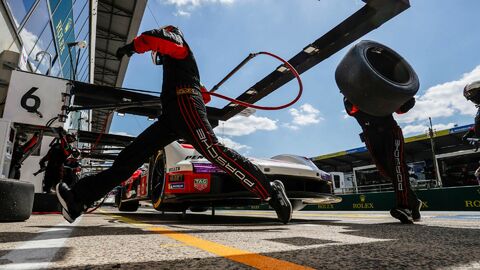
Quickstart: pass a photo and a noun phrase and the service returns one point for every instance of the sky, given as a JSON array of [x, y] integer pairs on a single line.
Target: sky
[[439, 38]]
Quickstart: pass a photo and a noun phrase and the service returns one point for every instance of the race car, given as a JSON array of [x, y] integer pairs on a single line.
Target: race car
[[179, 178]]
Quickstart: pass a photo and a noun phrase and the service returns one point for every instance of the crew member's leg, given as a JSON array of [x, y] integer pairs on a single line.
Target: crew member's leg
[[197, 130], [386, 147], [53, 175], [385, 143], [47, 180], [91, 188]]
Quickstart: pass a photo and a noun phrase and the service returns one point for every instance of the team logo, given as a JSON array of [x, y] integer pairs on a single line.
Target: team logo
[[200, 183]]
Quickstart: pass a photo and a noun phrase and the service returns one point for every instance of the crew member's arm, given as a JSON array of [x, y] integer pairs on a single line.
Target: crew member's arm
[[44, 160], [476, 127], [166, 41], [475, 130], [30, 144]]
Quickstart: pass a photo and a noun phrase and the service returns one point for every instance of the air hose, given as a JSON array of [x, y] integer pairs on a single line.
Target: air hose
[[245, 104]]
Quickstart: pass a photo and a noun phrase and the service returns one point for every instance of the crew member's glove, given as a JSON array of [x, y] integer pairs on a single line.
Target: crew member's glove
[[349, 107], [205, 96], [127, 50], [406, 106]]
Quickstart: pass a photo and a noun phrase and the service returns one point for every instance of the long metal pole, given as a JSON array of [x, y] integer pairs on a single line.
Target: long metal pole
[[248, 58], [434, 156]]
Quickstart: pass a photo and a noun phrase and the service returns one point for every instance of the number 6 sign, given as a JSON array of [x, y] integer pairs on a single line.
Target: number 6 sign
[[33, 99]]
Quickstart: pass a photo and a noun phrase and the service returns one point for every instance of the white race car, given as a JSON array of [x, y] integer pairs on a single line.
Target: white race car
[[179, 178]]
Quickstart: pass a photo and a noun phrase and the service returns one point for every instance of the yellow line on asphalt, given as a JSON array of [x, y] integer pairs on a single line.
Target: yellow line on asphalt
[[303, 214], [241, 256]]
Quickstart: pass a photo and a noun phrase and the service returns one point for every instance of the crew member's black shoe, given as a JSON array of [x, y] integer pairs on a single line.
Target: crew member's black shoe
[[416, 211], [402, 214], [280, 202], [70, 208]]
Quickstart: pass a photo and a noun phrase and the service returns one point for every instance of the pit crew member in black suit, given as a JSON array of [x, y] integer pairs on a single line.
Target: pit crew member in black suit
[[472, 92], [183, 116], [384, 140], [52, 162]]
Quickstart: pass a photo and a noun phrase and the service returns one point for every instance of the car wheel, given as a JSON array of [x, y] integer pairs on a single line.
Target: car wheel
[[375, 78], [16, 200], [157, 177], [297, 205]]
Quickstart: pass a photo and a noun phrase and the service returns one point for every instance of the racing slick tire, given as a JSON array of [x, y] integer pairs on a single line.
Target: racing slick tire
[[376, 78], [16, 200], [125, 206], [128, 206], [198, 209]]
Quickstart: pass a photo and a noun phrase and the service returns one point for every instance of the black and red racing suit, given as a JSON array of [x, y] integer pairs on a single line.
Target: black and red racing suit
[[19, 154], [384, 140], [475, 130], [59, 151], [183, 116]]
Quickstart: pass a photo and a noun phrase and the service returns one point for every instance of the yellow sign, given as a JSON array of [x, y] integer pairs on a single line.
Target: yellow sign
[[424, 205], [363, 204], [325, 206], [472, 203]]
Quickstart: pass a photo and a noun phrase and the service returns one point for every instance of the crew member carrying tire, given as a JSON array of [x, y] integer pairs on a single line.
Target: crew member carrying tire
[[183, 116], [377, 82], [472, 92], [53, 162]]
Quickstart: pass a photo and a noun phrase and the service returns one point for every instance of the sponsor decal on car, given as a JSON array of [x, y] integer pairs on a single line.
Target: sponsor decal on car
[[174, 169], [176, 186], [200, 183], [175, 178]]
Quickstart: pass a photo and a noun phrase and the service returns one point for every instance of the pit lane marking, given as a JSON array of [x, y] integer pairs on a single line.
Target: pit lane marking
[[241, 256], [38, 252]]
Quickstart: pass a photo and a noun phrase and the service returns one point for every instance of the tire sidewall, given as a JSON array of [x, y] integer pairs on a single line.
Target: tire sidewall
[[367, 88], [16, 200]]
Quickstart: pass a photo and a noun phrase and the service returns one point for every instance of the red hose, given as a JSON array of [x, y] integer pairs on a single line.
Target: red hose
[[268, 108]]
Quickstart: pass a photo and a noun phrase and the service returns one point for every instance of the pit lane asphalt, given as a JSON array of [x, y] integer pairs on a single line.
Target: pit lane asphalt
[[231, 239]]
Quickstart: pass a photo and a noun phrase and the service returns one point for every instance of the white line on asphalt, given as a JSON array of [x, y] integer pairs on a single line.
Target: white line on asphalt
[[38, 252]]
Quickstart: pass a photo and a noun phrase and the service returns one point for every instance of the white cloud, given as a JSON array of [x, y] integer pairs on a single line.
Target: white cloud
[[418, 129], [240, 125], [306, 115], [234, 145], [183, 13], [196, 3], [185, 7], [443, 100]]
